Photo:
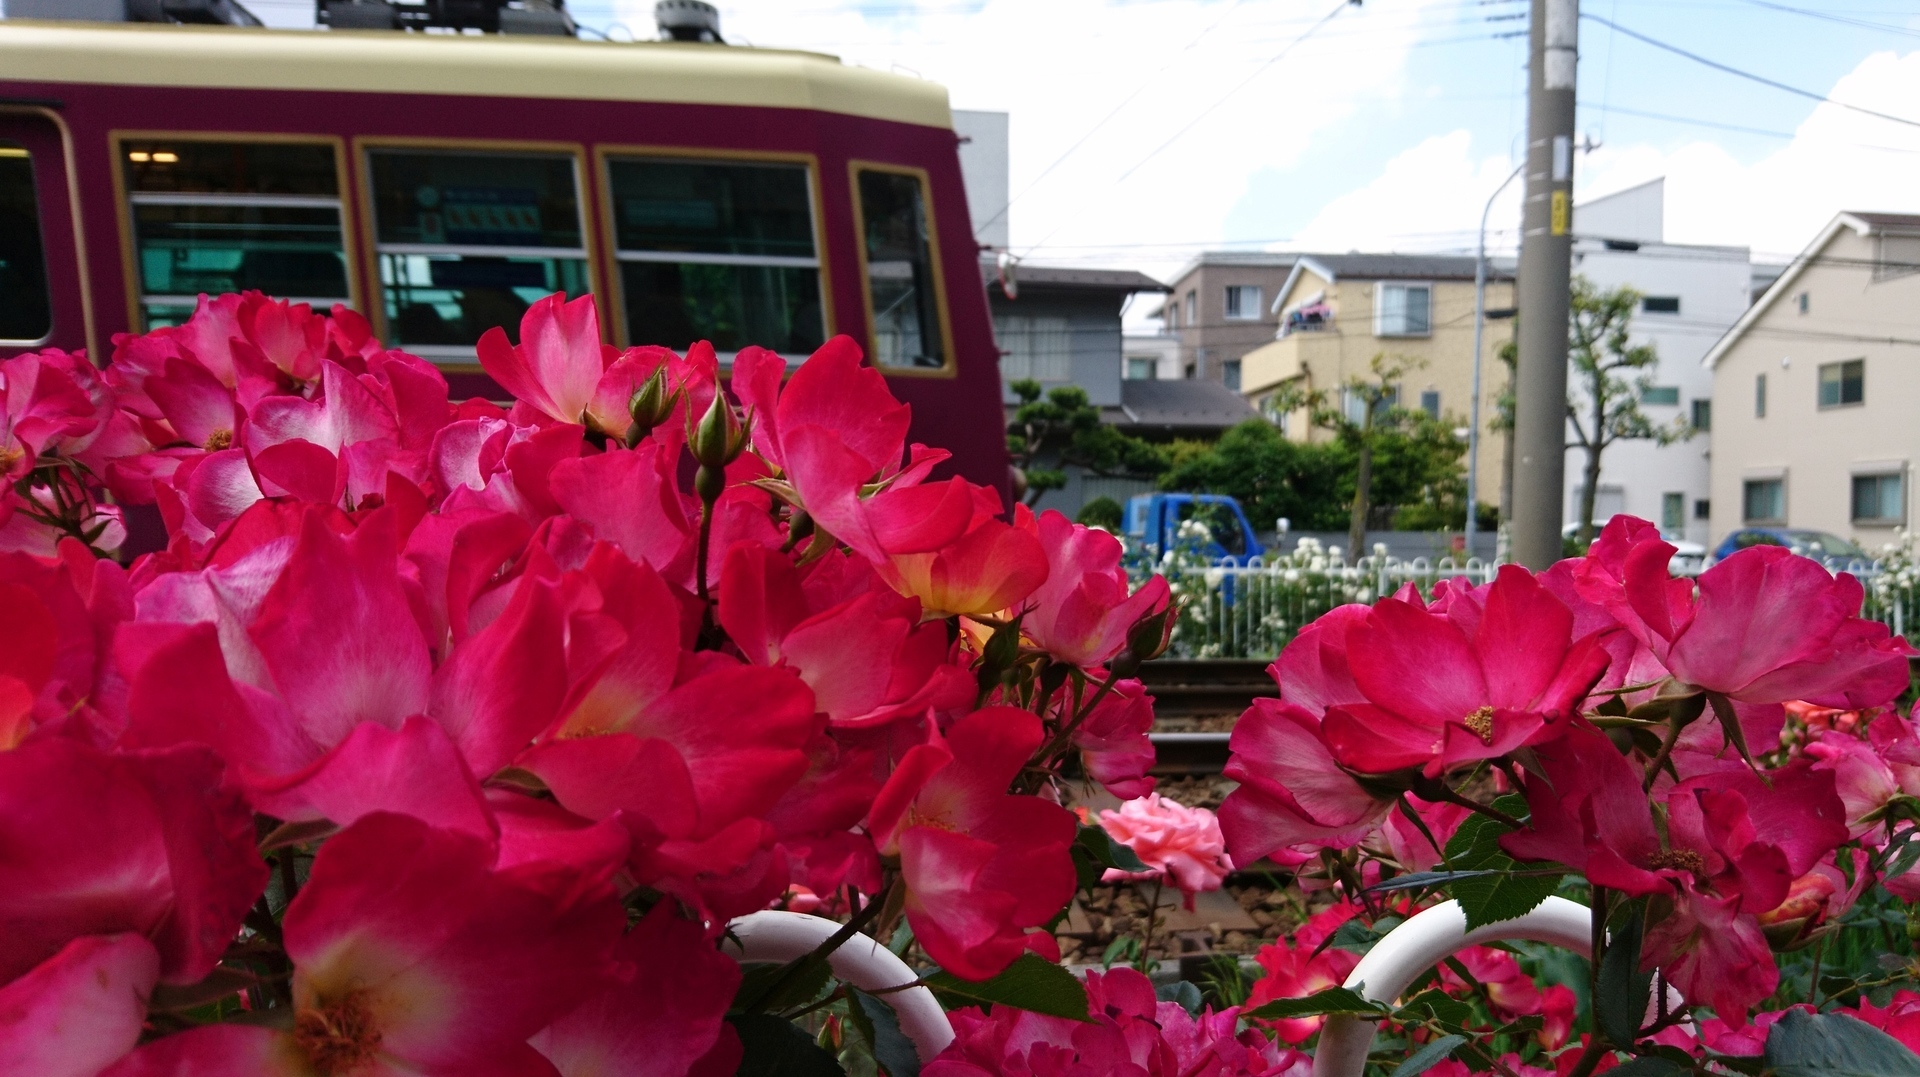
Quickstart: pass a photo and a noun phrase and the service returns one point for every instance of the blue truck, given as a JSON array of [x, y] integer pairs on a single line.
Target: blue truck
[[1153, 521]]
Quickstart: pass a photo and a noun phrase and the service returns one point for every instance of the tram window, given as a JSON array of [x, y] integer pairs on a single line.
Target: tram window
[[26, 313], [231, 216], [467, 241], [901, 286], [717, 252]]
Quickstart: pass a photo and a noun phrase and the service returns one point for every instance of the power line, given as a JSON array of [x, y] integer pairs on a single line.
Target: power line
[[1693, 122], [1208, 111], [1091, 131], [1750, 76], [1841, 19]]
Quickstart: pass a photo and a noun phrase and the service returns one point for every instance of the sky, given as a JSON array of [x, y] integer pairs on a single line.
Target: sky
[[1144, 131]]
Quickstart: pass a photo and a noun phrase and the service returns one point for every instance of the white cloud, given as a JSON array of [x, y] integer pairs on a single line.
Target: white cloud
[[1430, 196], [1059, 67]]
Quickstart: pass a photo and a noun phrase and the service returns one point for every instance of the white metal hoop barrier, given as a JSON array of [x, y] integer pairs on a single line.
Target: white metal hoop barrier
[[1382, 975], [860, 961]]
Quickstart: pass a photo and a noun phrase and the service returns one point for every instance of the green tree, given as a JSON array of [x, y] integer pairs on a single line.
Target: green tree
[[1269, 475], [1051, 433], [1361, 417], [1608, 377]]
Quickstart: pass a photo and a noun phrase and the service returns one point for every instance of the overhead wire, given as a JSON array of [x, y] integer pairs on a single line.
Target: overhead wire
[[1209, 110], [1115, 111], [1748, 75]]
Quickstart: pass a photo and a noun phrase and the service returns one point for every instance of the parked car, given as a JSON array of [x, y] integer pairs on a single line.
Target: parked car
[[1689, 558], [1826, 548], [1153, 521]]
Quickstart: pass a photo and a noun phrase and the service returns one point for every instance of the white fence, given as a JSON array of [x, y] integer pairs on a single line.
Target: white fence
[[1253, 611]]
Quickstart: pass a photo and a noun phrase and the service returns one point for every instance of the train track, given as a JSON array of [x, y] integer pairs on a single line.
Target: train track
[[1195, 704]]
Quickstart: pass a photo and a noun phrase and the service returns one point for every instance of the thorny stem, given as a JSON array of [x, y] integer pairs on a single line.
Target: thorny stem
[[1596, 1048], [1153, 917], [1447, 794], [1067, 730], [820, 953], [700, 553], [1666, 750], [289, 885]]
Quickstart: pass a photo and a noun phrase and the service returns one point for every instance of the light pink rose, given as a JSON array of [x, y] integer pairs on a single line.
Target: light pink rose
[[1180, 844]]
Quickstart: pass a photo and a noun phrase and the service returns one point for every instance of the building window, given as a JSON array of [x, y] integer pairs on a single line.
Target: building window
[[469, 240], [1665, 395], [1192, 310], [1764, 501], [1190, 371], [1842, 384], [902, 289], [1660, 304], [1355, 405], [1703, 414], [718, 252], [1877, 499], [1230, 374], [1803, 301], [1702, 509], [26, 310], [1142, 368], [1243, 302], [1673, 511], [1898, 256], [219, 217], [1759, 396], [1430, 403], [1034, 347], [1404, 310]]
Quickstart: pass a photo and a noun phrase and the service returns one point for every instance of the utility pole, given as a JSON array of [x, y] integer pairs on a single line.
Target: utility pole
[[1546, 264]]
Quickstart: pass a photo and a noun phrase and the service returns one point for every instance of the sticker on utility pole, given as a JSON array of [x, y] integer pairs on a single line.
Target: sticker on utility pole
[[1559, 209]]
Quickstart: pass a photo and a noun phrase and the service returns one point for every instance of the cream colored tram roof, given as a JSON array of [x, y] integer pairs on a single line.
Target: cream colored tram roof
[[493, 65]]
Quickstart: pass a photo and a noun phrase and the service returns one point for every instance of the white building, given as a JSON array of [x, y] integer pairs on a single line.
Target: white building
[[1692, 295], [1818, 390]]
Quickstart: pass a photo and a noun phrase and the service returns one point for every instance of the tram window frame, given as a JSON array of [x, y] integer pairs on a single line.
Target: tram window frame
[[36, 251], [150, 309], [572, 270], [948, 366], [610, 158]]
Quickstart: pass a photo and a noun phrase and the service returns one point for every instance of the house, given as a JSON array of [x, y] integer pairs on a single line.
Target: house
[[1150, 357], [1220, 309], [1815, 389], [1335, 312], [1061, 326], [1690, 295]]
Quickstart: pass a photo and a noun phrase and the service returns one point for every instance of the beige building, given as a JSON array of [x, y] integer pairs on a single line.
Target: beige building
[[1335, 312], [1220, 307], [1816, 389]]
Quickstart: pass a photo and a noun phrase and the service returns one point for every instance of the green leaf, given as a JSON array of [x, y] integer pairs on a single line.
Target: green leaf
[[776, 1048], [1834, 1045], [761, 988], [1181, 991], [1356, 937], [1094, 851], [1438, 1005], [1331, 1000], [1647, 1066], [1491, 890], [1427, 1057], [1624, 989], [891, 1047], [1031, 983]]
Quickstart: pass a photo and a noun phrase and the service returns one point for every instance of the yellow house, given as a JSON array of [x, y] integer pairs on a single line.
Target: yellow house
[[1338, 311]]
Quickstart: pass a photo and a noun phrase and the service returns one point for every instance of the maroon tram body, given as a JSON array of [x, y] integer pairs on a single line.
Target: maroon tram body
[[83, 104]]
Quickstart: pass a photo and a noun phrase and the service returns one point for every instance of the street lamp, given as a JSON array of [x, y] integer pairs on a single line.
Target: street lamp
[[1479, 329]]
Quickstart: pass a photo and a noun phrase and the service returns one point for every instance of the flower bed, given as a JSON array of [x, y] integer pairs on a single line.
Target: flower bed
[[447, 738]]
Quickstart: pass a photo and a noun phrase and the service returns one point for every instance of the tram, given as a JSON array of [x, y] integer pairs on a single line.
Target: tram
[[441, 182]]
